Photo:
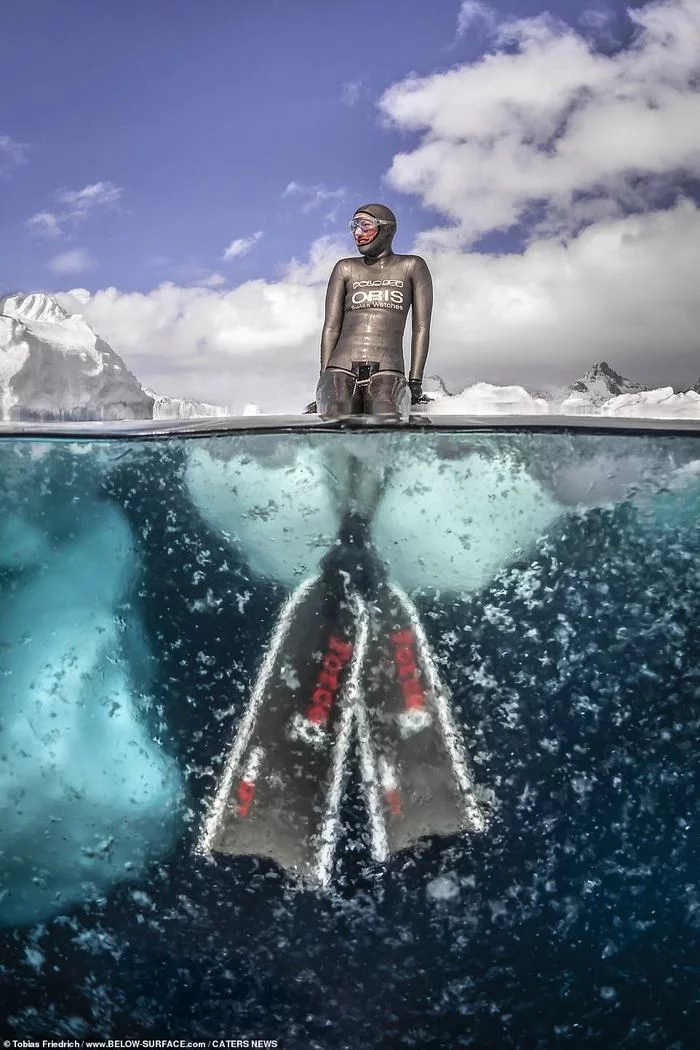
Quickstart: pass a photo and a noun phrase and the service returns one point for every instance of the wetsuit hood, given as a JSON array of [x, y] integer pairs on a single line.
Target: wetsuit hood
[[382, 243]]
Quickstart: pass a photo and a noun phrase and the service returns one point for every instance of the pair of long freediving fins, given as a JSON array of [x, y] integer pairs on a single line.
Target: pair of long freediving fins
[[348, 654]]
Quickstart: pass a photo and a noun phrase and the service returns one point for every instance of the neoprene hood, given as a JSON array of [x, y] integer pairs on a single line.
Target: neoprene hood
[[383, 241]]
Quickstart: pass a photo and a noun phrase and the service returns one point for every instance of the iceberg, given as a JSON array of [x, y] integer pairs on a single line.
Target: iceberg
[[84, 791]]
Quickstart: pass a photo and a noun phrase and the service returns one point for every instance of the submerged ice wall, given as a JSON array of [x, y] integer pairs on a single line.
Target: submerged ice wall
[[441, 524], [84, 790]]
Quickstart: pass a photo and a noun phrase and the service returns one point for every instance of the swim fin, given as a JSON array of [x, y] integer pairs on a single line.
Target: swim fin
[[280, 792], [415, 770]]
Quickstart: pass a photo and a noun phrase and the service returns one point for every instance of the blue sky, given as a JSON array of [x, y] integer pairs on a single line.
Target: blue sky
[[149, 136], [202, 114]]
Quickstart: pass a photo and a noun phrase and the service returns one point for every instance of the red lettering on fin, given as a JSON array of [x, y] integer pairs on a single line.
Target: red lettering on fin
[[337, 645], [323, 697], [409, 677], [393, 801], [245, 793]]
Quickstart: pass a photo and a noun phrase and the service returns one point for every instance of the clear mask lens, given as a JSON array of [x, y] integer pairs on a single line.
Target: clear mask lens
[[364, 225]]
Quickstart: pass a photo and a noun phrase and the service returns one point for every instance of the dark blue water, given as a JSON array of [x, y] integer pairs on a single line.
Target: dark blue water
[[573, 921]]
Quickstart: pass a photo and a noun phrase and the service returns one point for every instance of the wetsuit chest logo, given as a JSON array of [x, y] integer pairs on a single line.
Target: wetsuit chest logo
[[386, 294]]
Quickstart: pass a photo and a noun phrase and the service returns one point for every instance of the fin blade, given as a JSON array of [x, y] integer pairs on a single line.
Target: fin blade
[[424, 781], [291, 746]]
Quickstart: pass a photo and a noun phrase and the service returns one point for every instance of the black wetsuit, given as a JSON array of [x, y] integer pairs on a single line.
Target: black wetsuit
[[367, 304]]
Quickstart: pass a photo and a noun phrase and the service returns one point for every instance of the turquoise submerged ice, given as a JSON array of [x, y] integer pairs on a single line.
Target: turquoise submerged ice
[[454, 510], [273, 501], [84, 792], [441, 523]]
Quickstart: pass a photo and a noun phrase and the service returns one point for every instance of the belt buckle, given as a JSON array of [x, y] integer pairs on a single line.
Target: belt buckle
[[364, 370]]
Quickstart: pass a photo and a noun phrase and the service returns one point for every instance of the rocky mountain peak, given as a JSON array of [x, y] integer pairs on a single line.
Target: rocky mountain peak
[[602, 382]]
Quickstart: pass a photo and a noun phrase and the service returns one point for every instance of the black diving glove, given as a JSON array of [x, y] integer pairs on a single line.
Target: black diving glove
[[417, 395]]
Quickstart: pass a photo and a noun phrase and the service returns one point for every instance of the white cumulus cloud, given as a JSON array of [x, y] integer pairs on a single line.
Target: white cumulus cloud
[[45, 224], [322, 257], [80, 203], [474, 12], [352, 91], [554, 125], [622, 290], [314, 196], [257, 343], [75, 261], [599, 22], [213, 280], [240, 246], [77, 205]]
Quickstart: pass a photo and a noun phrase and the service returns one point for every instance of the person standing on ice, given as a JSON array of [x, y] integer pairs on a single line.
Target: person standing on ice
[[367, 304]]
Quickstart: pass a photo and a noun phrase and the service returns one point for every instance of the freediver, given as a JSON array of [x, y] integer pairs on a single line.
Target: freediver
[[348, 653], [367, 304]]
